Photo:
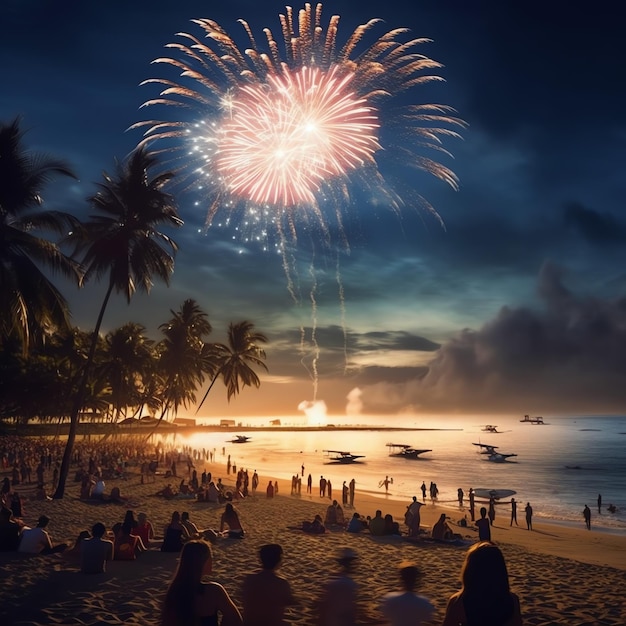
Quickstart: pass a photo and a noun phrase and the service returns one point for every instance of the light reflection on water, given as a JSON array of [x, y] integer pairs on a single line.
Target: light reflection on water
[[592, 447]]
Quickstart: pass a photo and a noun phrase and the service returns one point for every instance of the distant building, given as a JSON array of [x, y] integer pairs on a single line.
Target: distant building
[[274, 422], [185, 421], [227, 423]]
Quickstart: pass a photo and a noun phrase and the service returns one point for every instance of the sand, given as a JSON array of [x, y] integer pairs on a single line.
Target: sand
[[563, 575]]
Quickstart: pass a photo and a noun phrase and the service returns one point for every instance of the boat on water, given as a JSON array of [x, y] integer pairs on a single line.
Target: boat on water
[[490, 428], [343, 457], [405, 450], [492, 453], [532, 420], [496, 494], [240, 439]]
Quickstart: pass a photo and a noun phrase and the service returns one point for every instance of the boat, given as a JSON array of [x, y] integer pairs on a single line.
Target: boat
[[496, 494], [490, 428], [343, 457], [532, 420], [405, 451], [240, 439], [492, 453]]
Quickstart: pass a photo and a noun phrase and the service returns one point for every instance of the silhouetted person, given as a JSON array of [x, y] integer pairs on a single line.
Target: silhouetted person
[[513, 512], [529, 516], [483, 525], [587, 516], [471, 503], [599, 504]]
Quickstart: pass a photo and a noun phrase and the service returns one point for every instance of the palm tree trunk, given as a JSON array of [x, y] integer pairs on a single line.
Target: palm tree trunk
[[79, 400], [219, 371]]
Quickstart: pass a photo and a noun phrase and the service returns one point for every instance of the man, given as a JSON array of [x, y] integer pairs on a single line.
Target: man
[[414, 517], [529, 516], [95, 552], [265, 594], [407, 608], [483, 525], [513, 512], [472, 503], [37, 540]]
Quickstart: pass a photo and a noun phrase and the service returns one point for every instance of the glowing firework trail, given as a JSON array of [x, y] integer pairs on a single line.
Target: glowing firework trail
[[282, 134]]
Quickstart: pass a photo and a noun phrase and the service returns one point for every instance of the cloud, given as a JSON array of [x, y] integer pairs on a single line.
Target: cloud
[[569, 355]]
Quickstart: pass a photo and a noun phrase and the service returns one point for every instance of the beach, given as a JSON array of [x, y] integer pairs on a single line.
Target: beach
[[563, 575]]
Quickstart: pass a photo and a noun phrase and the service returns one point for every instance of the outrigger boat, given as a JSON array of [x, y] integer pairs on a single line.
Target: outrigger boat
[[405, 450], [492, 454], [532, 420], [340, 456], [490, 428], [240, 439]]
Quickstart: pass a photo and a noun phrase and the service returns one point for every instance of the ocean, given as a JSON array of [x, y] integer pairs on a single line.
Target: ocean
[[560, 466]]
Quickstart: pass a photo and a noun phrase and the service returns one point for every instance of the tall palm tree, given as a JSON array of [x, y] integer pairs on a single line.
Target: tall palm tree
[[127, 363], [123, 242], [183, 358], [233, 362], [29, 302]]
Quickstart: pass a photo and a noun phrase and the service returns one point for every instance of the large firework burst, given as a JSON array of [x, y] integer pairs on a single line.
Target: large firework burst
[[284, 134]]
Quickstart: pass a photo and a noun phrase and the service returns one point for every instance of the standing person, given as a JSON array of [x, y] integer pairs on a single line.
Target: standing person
[[265, 594], [587, 516], [529, 516], [460, 495], [599, 504], [407, 608], [386, 482], [189, 600], [344, 494], [485, 596], [322, 486], [352, 489], [96, 551], [513, 512], [309, 484], [471, 503], [302, 468], [414, 517], [270, 490], [483, 525], [423, 488], [338, 602], [329, 487], [255, 482]]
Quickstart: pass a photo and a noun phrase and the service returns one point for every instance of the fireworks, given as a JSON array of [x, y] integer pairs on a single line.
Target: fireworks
[[286, 134]]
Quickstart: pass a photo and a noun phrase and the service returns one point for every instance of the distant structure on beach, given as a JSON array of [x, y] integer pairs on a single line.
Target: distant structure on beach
[[532, 420]]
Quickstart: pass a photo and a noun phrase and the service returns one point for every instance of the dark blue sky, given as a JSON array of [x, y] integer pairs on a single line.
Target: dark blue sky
[[522, 293]]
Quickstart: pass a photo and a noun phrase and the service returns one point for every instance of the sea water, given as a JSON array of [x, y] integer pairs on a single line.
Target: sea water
[[560, 466]]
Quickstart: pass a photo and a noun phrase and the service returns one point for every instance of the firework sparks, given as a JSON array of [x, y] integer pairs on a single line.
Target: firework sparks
[[284, 134], [279, 136]]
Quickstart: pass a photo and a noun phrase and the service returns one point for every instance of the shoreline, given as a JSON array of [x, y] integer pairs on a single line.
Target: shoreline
[[562, 576]]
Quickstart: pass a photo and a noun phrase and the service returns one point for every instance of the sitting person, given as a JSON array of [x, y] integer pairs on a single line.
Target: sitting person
[[230, 518], [441, 531], [144, 529], [174, 535], [116, 496], [194, 532], [37, 540], [98, 490], [377, 524], [74, 551], [9, 531], [391, 527], [167, 492], [126, 547], [316, 527], [95, 552], [356, 524], [334, 515], [212, 493]]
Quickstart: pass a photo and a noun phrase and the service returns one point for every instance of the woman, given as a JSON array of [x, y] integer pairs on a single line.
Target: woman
[[230, 518], [144, 529], [485, 598], [191, 602], [174, 535]]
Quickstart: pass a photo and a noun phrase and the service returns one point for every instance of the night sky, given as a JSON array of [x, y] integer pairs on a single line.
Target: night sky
[[517, 305]]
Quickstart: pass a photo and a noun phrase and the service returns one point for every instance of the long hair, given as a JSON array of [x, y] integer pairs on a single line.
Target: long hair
[[486, 594], [179, 603]]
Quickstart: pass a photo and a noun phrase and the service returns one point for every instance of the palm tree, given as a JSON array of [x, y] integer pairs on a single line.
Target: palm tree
[[29, 302], [123, 242], [126, 365], [233, 361], [183, 358]]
